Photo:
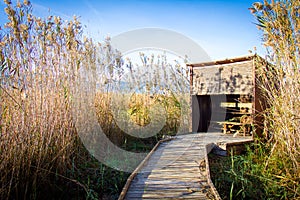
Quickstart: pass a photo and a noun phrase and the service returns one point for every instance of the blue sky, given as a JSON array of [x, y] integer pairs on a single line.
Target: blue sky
[[223, 29]]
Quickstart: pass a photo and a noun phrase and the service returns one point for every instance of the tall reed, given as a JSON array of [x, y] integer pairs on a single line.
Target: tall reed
[[39, 60], [278, 155], [40, 63]]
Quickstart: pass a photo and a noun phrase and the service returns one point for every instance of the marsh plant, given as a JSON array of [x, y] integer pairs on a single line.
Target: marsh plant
[[280, 23], [41, 65], [39, 61], [39, 58], [274, 164]]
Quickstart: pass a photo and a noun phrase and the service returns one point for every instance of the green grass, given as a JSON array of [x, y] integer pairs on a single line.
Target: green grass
[[248, 177]]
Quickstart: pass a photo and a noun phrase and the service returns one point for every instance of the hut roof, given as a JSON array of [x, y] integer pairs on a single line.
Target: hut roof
[[224, 61]]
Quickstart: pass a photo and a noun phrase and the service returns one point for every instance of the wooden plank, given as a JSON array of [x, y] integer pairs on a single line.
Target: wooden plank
[[235, 105], [173, 183], [195, 186], [165, 191], [172, 170], [171, 167], [221, 62], [168, 180], [197, 196], [180, 157], [166, 194]]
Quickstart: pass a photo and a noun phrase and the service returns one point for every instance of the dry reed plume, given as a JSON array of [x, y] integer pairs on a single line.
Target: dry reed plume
[[40, 63], [280, 23]]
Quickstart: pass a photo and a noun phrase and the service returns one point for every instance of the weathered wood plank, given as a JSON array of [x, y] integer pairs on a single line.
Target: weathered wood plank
[[175, 170], [163, 195], [193, 187]]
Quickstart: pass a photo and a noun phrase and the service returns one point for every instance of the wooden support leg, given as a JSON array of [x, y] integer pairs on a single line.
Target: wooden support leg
[[225, 128]]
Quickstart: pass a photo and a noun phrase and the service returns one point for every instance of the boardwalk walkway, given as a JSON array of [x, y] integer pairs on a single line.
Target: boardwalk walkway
[[176, 169]]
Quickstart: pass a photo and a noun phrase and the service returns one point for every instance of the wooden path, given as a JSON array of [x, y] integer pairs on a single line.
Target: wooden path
[[177, 169]]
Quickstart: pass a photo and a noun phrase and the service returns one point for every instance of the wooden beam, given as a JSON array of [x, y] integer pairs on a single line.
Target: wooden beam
[[221, 62]]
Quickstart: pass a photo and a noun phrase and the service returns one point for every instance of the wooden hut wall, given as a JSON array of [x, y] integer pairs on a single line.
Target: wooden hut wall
[[233, 78]]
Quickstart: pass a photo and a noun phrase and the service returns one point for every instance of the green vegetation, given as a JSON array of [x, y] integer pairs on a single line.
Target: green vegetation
[[231, 179], [245, 176]]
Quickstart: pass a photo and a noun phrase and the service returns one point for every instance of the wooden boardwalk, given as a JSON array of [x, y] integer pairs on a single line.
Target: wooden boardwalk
[[177, 169]]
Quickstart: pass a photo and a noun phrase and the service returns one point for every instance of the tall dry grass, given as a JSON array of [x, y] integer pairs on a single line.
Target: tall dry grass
[[279, 22], [271, 167], [39, 60], [40, 63]]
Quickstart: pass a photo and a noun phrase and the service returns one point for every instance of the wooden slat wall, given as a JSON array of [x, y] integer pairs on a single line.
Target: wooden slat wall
[[232, 78]]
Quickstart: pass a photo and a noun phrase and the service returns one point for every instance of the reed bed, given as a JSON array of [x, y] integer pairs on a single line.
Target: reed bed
[[280, 84], [272, 166], [41, 63]]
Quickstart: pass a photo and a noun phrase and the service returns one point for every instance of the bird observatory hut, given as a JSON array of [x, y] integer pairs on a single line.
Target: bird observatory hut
[[226, 96]]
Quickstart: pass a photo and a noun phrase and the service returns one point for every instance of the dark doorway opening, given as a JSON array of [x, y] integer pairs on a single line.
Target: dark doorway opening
[[201, 113], [207, 113]]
